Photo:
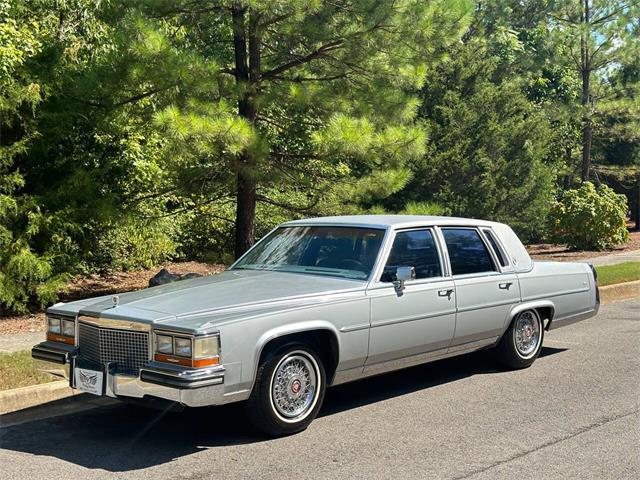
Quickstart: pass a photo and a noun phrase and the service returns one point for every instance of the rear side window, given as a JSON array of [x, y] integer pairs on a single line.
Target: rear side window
[[414, 248], [502, 258], [467, 251]]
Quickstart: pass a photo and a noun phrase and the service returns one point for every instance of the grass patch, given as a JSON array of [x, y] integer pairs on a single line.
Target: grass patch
[[622, 272], [18, 370]]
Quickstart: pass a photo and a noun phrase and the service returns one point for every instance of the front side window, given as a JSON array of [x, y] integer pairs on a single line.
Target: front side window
[[346, 252], [467, 252], [414, 248]]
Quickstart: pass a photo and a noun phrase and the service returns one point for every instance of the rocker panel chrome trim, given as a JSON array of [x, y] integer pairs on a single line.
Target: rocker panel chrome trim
[[358, 373]]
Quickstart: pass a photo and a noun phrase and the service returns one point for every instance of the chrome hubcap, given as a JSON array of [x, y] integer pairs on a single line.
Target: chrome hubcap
[[294, 386], [527, 333]]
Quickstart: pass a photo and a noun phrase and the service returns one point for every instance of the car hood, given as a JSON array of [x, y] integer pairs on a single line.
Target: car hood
[[190, 304]]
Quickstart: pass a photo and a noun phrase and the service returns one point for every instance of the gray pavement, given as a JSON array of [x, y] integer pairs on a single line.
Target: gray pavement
[[611, 259], [574, 414]]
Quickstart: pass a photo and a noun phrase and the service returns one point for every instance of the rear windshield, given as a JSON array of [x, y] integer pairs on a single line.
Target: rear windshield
[[347, 252]]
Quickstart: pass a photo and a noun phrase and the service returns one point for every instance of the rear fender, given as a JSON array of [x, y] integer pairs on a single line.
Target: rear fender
[[535, 304]]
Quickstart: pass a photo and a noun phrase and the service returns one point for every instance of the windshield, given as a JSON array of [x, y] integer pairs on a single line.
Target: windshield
[[346, 252]]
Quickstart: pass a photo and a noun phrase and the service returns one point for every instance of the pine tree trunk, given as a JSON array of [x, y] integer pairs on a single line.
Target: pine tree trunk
[[247, 73], [245, 213], [587, 127], [587, 135]]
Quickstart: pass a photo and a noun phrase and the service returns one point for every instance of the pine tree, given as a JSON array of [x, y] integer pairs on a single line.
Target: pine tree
[[489, 145], [597, 36], [304, 99]]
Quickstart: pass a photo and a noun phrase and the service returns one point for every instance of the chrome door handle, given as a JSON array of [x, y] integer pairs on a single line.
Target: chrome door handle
[[505, 286], [445, 293]]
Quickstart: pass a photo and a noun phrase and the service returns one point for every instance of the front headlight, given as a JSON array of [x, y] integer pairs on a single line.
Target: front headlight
[[206, 347], [188, 351], [54, 325], [183, 347], [61, 329], [164, 344], [68, 328]]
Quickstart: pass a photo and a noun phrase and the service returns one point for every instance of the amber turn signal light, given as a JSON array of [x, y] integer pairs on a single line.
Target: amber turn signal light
[[52, 337], [187, 362]]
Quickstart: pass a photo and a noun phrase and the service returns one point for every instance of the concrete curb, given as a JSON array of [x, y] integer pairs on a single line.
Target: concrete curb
[[620, 291], [25, 397]]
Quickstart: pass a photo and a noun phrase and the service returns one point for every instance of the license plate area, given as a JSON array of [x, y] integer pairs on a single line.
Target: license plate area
[[89, 377]]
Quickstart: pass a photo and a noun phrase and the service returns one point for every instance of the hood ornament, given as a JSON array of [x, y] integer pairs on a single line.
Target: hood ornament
[[115, 300]]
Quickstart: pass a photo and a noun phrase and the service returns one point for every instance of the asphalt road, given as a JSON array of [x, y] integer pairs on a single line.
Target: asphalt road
[[574, 414]]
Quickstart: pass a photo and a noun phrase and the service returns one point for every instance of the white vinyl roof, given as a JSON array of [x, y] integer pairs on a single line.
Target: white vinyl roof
[[390, 221]]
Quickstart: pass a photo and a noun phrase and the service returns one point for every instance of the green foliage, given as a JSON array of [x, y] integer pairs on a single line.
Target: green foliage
[[126, 127], [134, 245], [326, 124], [590, 218], [597, 39], [206, 233], [26, 275], [424, 208], [489, 149]]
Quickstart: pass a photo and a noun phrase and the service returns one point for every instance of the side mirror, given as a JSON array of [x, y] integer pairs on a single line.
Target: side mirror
[[402, 275]]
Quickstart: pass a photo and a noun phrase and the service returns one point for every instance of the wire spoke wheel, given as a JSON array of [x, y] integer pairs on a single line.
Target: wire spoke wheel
[[522, 342], [294, 386], [527, 334]]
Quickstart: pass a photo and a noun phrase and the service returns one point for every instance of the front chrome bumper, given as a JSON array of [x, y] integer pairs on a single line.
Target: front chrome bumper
[[190, 387]]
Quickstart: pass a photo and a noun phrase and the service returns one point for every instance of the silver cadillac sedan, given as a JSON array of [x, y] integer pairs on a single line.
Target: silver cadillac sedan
[[316, 303]]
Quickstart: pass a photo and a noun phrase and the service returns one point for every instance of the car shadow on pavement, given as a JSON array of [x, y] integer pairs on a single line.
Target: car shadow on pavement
[[122, 437], [395, 384]]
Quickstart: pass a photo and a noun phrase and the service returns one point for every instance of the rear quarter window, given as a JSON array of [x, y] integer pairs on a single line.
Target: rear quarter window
[[500, 255]]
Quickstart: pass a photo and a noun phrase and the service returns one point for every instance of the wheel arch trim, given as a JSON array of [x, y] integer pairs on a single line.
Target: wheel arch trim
[[532, 305], [292, 329]]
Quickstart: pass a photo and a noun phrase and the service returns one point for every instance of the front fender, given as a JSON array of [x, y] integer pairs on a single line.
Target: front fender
[[298, 327], [283, 330]]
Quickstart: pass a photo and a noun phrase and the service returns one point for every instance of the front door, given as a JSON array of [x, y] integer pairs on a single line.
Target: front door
[[485, 295], [421, 318]]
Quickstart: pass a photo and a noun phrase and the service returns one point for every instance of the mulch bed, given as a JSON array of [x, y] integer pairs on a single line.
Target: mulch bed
[[560, 253]]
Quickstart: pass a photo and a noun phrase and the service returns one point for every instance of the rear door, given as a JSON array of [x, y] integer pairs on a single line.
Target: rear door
[[421, 318], [486, 290]]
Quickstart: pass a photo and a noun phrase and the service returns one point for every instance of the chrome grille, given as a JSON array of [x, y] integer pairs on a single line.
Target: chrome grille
[[129, 351]]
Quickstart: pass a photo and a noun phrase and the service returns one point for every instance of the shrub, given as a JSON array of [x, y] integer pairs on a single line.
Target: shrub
[[207, 235], [590, 218], [26, 279], [34, 251], [133, 244]]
